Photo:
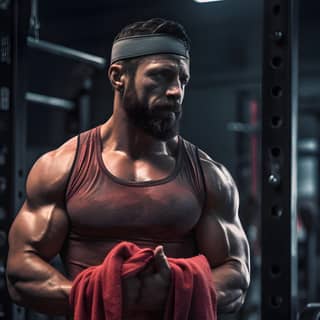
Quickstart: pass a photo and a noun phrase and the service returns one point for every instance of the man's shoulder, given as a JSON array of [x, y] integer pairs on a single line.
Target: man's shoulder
[[51, 171], [218, 177], [65, 153], [62, 155], [209, 165], [214, 171], [221, 188]]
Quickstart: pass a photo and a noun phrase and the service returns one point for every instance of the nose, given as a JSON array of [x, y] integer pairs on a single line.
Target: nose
[[175, 91]]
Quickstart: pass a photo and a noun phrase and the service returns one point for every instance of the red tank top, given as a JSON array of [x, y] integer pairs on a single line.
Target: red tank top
[[104, 210]]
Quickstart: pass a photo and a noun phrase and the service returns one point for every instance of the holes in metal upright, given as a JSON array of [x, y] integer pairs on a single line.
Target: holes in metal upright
[[278, 160]]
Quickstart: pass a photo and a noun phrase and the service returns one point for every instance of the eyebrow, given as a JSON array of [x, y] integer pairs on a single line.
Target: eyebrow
[[170, 67]]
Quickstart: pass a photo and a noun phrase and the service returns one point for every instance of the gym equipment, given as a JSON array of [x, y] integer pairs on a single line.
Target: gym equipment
[[14, 42], [311, 312], [279, 157]]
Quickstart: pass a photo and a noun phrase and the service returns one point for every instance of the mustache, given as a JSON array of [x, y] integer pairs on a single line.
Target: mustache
[[167, 107]]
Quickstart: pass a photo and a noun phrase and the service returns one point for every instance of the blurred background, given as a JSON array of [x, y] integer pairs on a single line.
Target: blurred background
[[222, 105]]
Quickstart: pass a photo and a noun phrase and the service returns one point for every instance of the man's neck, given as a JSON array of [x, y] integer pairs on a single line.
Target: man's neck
[[119, 134]]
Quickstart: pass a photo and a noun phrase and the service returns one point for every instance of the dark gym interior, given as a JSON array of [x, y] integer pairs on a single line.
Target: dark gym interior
[[222, 114]]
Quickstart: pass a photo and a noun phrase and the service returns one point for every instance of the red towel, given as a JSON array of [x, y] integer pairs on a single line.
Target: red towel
[[96, 291]]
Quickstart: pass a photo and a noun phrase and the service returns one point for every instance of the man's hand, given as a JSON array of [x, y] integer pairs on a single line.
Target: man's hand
[[131, 288], [148, 290], [155, 282]]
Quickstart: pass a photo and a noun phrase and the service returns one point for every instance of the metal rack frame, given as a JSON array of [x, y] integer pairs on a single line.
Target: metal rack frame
[[279, 157]]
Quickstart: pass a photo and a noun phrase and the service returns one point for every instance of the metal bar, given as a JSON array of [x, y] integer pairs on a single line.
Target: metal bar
[[254, 149], [279, 161], [311, 312], [241, 147], [84, 106], [34, 23], [62, 51], [13, 32], [243, 127], [49, 101]]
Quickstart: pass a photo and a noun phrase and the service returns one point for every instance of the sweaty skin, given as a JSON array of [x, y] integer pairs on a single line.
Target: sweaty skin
[[41, 227]]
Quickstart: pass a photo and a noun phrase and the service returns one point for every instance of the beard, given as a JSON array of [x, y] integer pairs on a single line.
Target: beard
[[161, 121]]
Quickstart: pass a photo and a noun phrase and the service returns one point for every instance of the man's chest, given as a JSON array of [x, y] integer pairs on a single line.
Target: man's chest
[[152, 168], [166, 210]]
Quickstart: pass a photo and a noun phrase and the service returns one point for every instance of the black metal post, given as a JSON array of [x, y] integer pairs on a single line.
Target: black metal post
[[84, 106], [279, 157], [13, 31]]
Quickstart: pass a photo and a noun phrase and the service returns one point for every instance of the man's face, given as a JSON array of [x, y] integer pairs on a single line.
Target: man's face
[[153, 97]]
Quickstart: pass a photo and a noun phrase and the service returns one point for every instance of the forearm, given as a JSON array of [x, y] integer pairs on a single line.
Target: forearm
[[231, 280], [35, 284]]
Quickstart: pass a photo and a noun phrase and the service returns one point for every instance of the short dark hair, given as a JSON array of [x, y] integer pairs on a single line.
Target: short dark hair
[[151, 26], [156, 25]]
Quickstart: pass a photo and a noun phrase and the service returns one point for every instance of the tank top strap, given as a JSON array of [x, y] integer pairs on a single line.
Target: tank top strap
[[194, 170], [85, 159]]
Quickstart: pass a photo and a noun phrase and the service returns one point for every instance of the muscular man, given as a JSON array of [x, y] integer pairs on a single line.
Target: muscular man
[[133, 178]]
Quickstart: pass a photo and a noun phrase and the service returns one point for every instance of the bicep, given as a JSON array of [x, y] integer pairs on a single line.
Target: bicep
[[41, 225], [220, 235], [221, 241], [40, 230]]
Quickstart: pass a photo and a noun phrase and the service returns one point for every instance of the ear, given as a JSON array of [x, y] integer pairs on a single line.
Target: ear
[[117, 76]]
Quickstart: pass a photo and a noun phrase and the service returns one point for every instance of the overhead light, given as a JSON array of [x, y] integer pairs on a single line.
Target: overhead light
[[205, 1]]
